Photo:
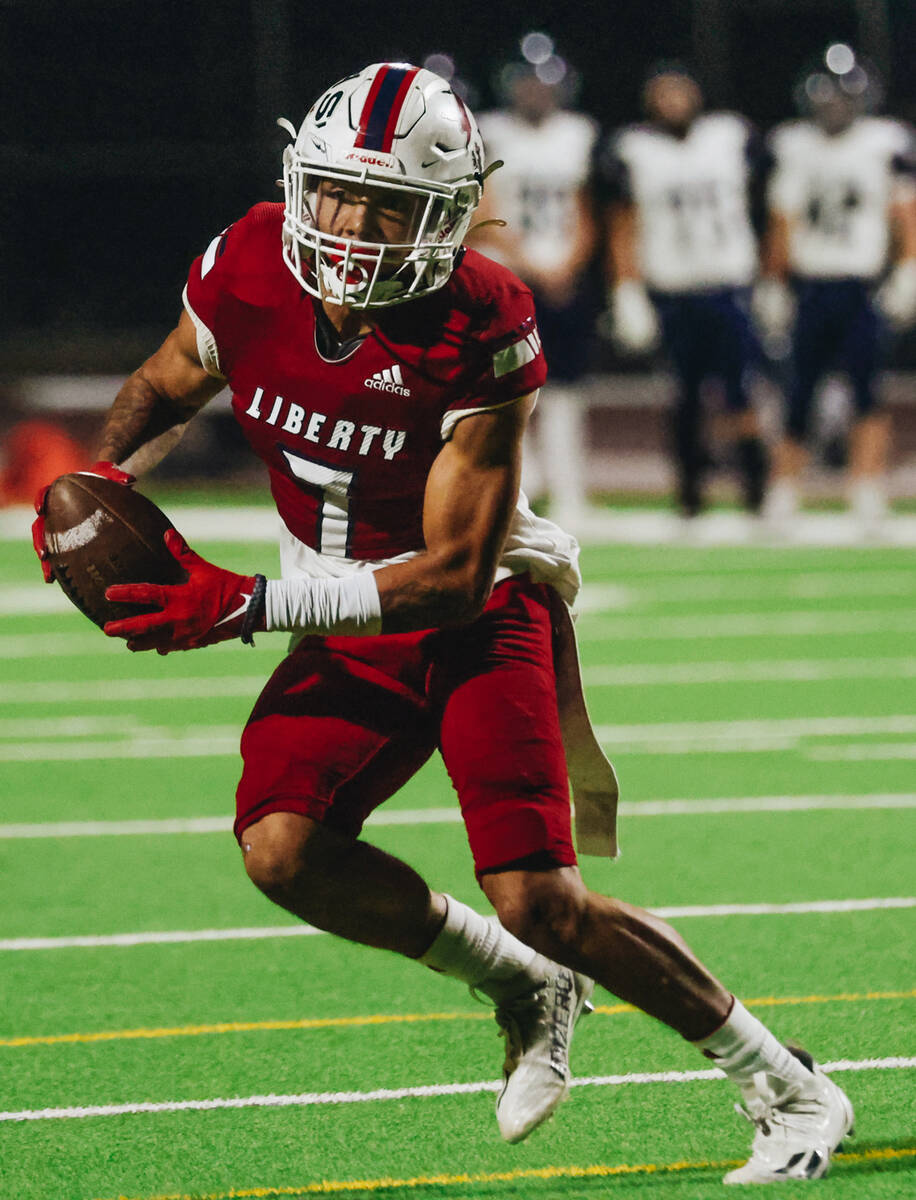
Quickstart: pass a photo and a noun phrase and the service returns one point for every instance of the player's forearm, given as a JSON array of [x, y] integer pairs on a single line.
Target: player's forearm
[[622, 249], [423, 593], [434, 591], [141, 426], [774, 253], [903, 223]]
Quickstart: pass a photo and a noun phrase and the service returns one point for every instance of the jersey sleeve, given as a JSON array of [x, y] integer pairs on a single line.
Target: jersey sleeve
[[611, 174], [903, 162], [507, 359], [203, 300]]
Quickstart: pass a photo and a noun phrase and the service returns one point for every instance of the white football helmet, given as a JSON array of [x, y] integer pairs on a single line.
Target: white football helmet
[[395, 126]]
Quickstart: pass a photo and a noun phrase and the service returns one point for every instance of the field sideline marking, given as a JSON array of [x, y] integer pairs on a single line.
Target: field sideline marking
[[750, 585], [302, 930], [452, 816], [326, 1187], [592, 627], [207, 687], [654, 737], [605, 1010], [801, 623], [18, 598], [310, 1099], [778, 670], [91, 645]]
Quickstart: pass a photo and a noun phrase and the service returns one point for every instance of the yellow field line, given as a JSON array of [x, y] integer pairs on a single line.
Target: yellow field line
[[117, 1035], [326, 1187]]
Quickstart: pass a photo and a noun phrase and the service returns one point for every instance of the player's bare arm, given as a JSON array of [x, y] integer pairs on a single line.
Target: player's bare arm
[[774, 253], [470, 497], [156, 402], [622, 260]]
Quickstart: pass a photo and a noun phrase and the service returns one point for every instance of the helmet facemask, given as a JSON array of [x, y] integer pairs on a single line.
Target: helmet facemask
[[372, 274]]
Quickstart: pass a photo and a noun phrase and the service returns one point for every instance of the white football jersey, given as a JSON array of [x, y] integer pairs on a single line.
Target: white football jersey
[[691, 199], [546, 166], [837, 192]]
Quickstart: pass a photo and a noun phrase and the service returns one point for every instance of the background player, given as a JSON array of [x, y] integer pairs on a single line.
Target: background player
[[428, 599], [841, 202], [681, 257], [549, 240]]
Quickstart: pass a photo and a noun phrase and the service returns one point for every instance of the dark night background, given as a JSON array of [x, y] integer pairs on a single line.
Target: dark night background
[[134, 131]]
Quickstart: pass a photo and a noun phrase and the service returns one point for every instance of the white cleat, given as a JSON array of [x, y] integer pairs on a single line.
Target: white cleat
[[538, 1029], [796, 1133]]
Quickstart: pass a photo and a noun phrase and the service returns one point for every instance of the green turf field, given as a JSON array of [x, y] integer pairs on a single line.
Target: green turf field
[[213, 1050]]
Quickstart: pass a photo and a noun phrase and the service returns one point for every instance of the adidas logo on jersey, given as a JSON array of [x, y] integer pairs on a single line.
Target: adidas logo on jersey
[[389, 380]]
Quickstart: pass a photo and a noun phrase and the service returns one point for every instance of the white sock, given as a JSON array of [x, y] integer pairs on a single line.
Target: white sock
[[563, 444], [480, 952], [743, 1047]]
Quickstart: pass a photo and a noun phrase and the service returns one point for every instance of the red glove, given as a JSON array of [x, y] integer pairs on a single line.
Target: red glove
[[108, 471], [211, 606]]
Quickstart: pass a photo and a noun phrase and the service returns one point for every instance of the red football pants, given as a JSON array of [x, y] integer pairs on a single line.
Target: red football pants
[[344, 722]]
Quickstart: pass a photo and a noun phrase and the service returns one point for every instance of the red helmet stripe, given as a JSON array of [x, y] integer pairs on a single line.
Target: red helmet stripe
[[368, 105], [382, 108], [392, 123]]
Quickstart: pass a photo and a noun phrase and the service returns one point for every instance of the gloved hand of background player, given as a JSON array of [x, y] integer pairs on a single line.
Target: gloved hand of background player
[[773, 307], [634, 323], [209, 607], [106, 470], [897, 295]]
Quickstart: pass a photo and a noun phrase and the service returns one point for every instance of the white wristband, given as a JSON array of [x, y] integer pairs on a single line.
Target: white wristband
[[325, 606]]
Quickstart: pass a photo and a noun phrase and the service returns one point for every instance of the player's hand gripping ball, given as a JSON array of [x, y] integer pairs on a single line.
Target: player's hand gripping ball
[[102, 470], [209, 605], [93, 530]]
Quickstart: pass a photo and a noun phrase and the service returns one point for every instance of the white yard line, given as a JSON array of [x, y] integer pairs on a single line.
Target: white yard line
[[452, 816], [592, 627], [866, 752], [790, 727], [202, 745], [777, 670], [30, 599], [309, 1099], [630, 526], [216, 523], [206, 687], [597, 596], [195, 687], [66, 726], [90, 644], [716, 625], [658, 737], [254, 933], [756, 585]]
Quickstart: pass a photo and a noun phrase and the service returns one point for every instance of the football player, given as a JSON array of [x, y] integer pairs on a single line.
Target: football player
[[842, 205], [543, 228], [385, 376], [681, 258]]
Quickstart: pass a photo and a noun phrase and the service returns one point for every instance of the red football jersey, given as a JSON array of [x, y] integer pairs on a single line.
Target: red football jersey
[[349, 442]]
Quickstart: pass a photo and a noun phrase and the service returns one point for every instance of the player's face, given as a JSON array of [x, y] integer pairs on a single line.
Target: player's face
[[360, 212], [532, 99], [835, 114], [673, 100]]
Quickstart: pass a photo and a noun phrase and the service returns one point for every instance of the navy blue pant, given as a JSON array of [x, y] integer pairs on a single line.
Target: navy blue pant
[[568, 333], [837, 328], [708, 335]]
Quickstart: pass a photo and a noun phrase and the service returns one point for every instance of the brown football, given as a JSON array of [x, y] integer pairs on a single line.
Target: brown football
[[98, 533]]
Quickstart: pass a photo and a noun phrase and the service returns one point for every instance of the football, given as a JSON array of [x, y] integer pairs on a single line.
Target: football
[[98, 533]]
